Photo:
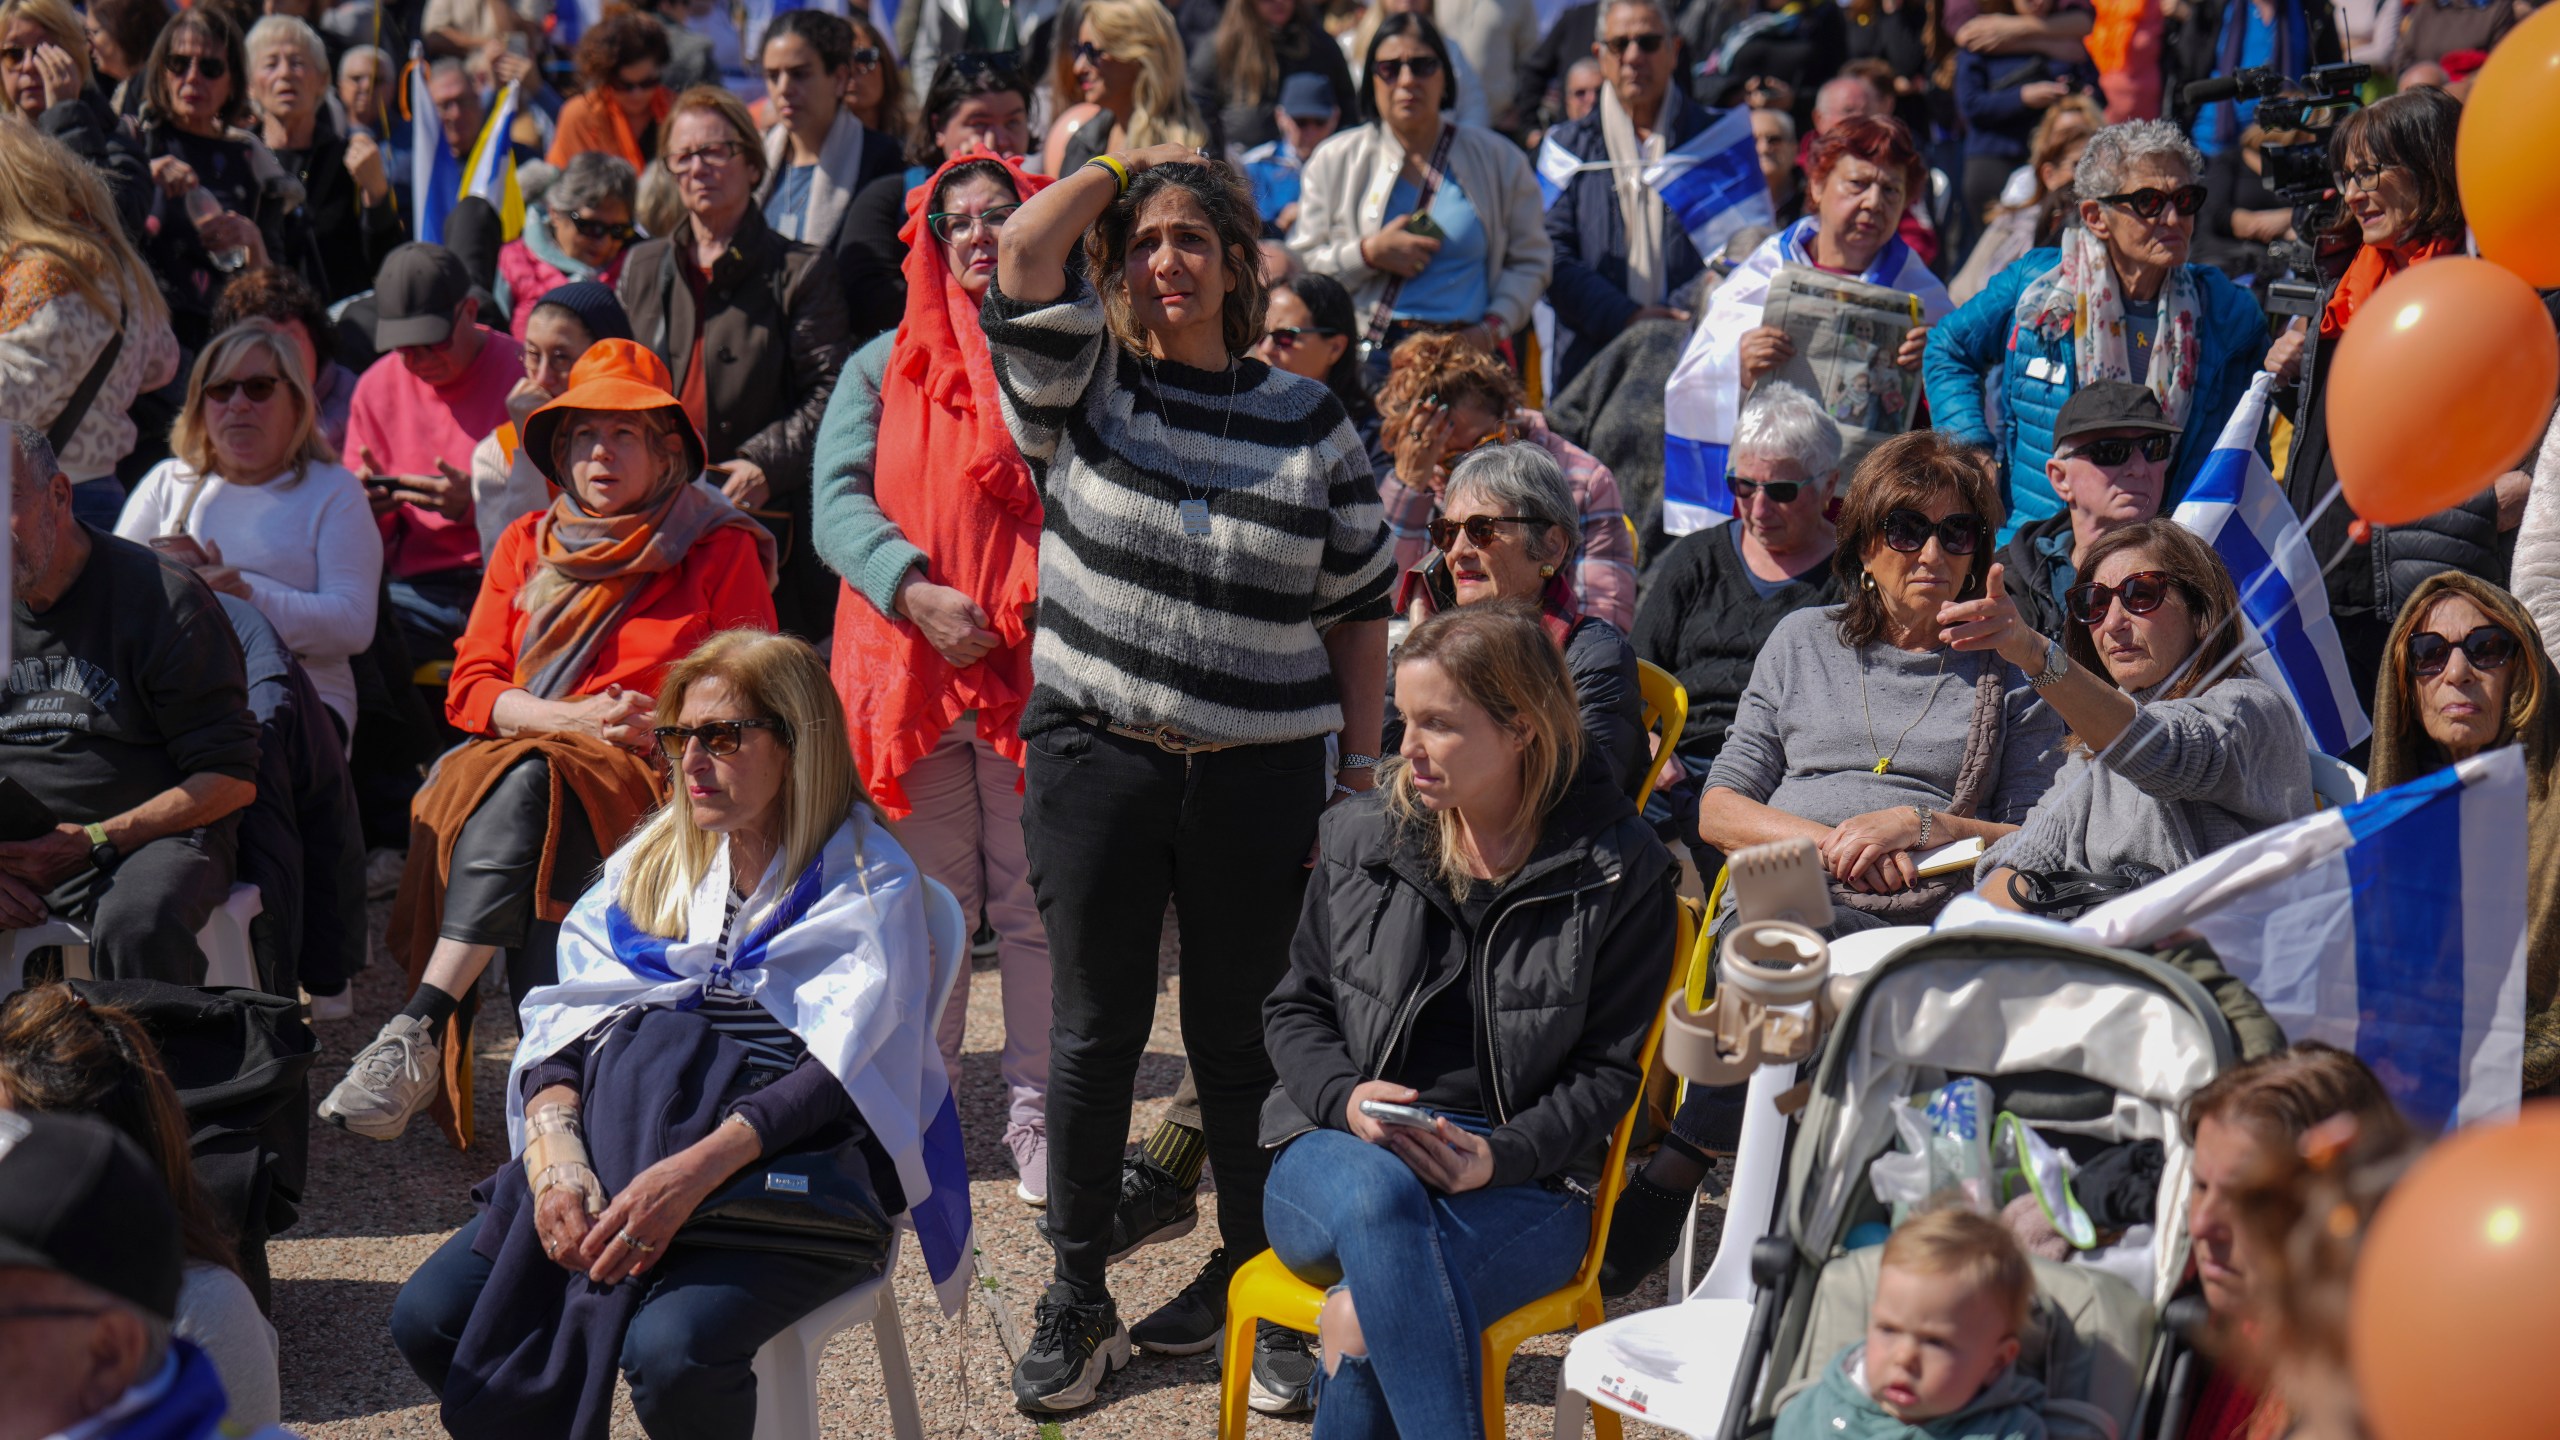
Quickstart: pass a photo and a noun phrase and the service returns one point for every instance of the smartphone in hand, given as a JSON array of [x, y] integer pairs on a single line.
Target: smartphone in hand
[[1420, 223], [1387, 1112]]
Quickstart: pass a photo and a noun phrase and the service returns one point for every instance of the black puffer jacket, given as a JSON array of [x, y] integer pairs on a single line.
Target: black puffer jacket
[[1569, 965]]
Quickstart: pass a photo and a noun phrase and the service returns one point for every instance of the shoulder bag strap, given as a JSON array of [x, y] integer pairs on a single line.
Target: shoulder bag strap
[[1384, 316], [76, 409]]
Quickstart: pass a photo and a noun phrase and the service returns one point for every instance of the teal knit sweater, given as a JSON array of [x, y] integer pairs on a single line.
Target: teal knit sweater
[[856, 540]]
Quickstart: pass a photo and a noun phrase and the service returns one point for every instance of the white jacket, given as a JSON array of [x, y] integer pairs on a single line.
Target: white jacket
[[2537, 569], [1343, 199]]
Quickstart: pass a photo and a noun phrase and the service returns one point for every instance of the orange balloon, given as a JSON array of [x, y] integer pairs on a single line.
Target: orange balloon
[[2510, 190], [2443, 381], [2457, 1292]]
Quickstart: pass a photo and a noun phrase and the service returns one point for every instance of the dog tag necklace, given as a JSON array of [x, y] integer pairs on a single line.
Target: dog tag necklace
[[1193, 508]]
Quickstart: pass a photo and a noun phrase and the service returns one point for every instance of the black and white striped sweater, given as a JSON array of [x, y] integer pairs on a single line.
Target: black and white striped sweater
[[1218, 636]]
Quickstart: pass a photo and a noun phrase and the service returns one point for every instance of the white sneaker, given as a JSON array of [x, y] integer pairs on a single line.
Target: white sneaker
[[341, 1006], [1029, 1142], [391, 1080]]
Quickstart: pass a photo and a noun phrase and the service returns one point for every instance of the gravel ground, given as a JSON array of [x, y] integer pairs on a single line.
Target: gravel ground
[[378, 1210]]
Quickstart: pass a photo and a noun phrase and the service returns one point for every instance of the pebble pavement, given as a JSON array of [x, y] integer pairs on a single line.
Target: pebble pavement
[[379, 1209]]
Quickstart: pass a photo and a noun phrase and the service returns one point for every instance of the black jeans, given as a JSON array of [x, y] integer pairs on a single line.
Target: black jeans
[[1114, 827], [142, 917]]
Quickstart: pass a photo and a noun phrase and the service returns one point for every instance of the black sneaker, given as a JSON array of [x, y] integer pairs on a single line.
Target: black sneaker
[[1193, 1320], [1284, 1371], [1153, 1208], [1073, 1346]]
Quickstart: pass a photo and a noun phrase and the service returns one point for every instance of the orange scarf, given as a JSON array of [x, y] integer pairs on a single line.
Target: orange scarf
[[947, 474], [589, 569], [2366, 273]]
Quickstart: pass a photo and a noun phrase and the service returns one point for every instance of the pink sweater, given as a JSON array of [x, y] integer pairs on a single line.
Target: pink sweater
[[409, 425]]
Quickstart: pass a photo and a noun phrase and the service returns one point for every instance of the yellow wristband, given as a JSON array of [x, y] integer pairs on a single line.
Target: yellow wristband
[[1119, 171]]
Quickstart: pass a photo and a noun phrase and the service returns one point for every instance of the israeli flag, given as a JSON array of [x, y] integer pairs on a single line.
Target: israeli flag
[[1556, 168], [2393, 927], [435, 176], [490, 173], [2236, 507], [1712, 185]]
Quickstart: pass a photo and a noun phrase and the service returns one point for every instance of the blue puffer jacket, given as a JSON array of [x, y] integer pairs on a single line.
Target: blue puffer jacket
[[1983, 338]]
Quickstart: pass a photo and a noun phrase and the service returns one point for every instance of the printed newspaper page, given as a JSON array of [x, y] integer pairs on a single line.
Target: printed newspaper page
[[1846, 334]]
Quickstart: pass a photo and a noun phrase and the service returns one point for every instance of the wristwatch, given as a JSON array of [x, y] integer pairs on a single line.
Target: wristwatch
[[103, 854], [2057, 663]]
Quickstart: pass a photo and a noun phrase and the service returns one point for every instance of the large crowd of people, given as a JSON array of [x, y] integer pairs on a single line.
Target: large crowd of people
[[1151, 470]]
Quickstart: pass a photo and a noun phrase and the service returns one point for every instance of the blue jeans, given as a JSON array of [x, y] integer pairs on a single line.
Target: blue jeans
[[1426, 1271], [691, 1349]]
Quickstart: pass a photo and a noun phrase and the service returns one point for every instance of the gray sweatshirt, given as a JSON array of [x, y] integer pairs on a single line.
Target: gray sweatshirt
[[1800, 742], [2186, 778]]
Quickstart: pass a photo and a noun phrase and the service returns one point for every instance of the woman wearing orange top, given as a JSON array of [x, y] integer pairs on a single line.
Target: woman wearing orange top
[[624, 64], [584, 606]]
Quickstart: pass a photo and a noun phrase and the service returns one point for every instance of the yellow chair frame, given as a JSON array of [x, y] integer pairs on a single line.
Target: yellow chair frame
[[1666, 711], [1263, 1288]]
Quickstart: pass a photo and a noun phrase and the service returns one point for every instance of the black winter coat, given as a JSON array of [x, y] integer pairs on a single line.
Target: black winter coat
[[1569, 966]]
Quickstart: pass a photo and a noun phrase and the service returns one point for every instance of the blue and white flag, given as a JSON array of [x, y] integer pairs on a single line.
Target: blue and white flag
[[2238, 509], [1703, 400], [1711, 184], [435, 173], [490, 173], [2393, 928], [841, 956], [1557, 166]]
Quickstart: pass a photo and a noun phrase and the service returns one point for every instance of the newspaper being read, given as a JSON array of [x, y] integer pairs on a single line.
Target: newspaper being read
[[1846, 335]]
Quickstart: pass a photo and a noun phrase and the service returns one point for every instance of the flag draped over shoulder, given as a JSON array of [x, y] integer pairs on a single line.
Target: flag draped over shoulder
[[2237, 508], [2393, 927]]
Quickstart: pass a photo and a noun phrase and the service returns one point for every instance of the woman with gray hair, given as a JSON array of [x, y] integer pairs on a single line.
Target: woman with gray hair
[[1507, 530], [578, 230], [1717, 593], [2115, 300], [354, 221]]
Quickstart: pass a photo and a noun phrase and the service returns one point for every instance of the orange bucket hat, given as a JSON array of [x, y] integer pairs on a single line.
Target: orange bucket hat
[[612, 375]]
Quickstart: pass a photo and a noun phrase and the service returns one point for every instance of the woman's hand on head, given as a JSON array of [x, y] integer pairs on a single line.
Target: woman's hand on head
[[1450, 1159], [1993, 623], [1387, 1090], [952, 623], [1764, 348], [1422, 446], [1142, 161], [60, 75]]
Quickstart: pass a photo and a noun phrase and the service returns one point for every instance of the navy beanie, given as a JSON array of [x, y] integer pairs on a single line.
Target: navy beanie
[[594, 304]]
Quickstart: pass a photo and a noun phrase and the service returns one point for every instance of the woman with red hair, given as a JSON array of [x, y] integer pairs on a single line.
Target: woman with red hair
[[1860, 175], [926, 508]]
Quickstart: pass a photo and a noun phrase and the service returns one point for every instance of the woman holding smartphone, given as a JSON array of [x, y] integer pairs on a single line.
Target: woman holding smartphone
[[1486, 941]]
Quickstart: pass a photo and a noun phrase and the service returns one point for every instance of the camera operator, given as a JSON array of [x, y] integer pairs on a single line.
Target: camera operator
[[2394, 170]]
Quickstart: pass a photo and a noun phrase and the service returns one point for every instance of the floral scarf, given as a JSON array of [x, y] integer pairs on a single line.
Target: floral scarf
[[590, 569], [2080, 298]]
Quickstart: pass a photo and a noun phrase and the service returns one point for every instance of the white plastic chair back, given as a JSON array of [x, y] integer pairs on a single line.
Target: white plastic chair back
[[224, 941]]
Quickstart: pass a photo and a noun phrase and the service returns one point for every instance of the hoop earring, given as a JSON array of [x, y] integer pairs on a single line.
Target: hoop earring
[[1546, 572]]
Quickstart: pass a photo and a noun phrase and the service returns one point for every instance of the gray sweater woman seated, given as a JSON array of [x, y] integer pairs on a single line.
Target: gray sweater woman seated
[[2177, 749], [1863, 729]]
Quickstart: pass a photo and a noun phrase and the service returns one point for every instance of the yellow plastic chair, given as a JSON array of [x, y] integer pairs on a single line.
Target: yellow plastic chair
[[1666, 713], [1263, 1288]]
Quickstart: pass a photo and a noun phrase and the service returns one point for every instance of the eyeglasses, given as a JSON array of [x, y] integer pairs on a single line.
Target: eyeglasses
[[2367, 178], [720, 154], [866, 57], [2147, 202], [634, 87], [207, 67], [1004, 65], [260, 388], [15, 54], [720, 738], [2488, 647], [950, 226], [1289, 337], [1780, 492], [1908, 531], [2142, 592], [1478, 528], [2114, 450], [1648, 42], [1091, 53], [1420, 67], [623, 231]]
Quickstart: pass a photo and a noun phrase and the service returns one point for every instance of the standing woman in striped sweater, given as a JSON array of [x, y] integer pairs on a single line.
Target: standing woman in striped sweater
[[1213, 603]]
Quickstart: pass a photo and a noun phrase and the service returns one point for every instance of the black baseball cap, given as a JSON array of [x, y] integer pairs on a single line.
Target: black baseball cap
[[2111, 405], [79, 1198], [415, 294]]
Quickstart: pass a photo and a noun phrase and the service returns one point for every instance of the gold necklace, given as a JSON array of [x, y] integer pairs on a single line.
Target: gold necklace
[[1884, 761]]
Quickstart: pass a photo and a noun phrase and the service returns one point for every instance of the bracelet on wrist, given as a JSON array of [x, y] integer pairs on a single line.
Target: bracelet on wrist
[[1119, 170], [1923, 812], [1356, 762]]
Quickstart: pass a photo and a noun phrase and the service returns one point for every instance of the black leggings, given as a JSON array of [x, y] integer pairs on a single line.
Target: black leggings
[[488, 894]]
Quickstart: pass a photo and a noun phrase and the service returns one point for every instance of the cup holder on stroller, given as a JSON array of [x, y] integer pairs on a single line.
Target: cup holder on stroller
[[1774, 993]]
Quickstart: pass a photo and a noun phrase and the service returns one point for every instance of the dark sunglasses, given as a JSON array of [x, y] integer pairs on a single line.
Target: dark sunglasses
[[1479, 528], [2142, 592], [1421, 67], [15, 54], [1091, 53], [634, 87], [1005, 65], [601, 229], [210, 67], [1780, 492], [720, 738], [1290, 336], [1648, 42], [2489, 648], [2116, 449], [949, 225], [1909, 530], [2147, 202], [261, 388], [866, 57]]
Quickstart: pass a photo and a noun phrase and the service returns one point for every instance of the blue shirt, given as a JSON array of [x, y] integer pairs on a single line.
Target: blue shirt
[[2257, 47], [1453, 289], [788, 211], [1272, 169]]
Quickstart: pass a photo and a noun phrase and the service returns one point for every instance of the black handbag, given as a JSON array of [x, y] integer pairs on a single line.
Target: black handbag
[[2069, 894], [816, 1202]]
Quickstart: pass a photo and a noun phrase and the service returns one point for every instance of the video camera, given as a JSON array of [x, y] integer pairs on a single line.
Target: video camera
[[2299, 172]]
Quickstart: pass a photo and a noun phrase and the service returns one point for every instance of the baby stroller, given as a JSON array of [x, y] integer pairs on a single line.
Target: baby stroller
[[2090, 1046]]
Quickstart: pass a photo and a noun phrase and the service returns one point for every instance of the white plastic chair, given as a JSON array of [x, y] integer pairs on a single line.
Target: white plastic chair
[[224, 940], [787, 1366], [2335, 784]]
